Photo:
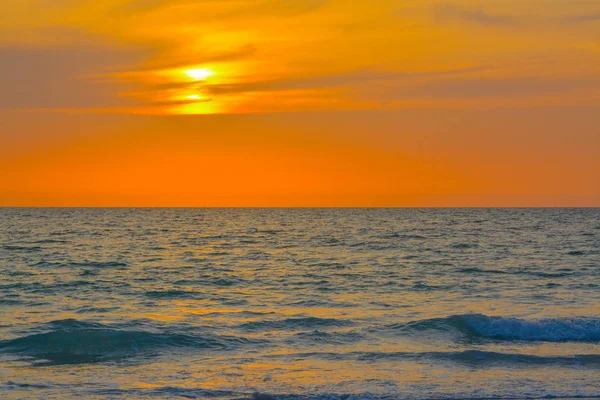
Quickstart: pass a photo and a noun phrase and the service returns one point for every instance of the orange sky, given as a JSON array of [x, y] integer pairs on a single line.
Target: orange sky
[[300, 103]]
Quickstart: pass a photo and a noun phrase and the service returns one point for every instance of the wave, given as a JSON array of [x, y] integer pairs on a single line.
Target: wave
[[72, 341], [43, 263], [46, 241], [9, 302], [548, 274], [425, 287], [99, 264], [480, 271], [212, 281], [558, 274], [469, 358], [247, 394], [247, 314], [579, 329], [202, 393], [320, 337], [309, 323], [478, 357], [401, 236], [86, 264], [199, 393], [464, 245], [89, 310], [385, 396], [311, 303], [11, 247], [174, 294]]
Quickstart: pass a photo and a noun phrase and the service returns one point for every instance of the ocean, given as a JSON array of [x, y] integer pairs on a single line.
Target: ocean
[[331, 304]]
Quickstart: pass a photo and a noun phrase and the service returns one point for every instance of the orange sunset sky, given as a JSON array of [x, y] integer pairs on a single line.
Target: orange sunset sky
[[299, 103]]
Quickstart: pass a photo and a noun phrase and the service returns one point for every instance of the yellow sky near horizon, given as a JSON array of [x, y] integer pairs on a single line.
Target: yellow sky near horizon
[[459, 102]]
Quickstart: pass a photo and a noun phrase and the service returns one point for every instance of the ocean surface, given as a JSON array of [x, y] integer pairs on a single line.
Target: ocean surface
[[330, 304]]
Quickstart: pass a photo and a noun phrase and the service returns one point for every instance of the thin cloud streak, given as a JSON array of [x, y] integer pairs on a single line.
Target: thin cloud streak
[[329, 81], [581, 18], [487, 87], [449, 11]]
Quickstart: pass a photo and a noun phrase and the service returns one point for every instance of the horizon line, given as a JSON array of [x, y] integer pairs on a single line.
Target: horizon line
[[303, 207]]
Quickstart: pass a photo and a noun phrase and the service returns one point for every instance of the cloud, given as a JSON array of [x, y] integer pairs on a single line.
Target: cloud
[[280, 8], [582, 18], [226, 9], [136, 6], [54, 77], [482, 88], [330, 81], [204, 57], [448, 11]]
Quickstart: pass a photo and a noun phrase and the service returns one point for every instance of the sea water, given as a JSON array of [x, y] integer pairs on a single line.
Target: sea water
[[299, 303]]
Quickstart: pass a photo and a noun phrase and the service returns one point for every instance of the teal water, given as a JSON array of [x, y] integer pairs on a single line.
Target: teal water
[[299, 303]]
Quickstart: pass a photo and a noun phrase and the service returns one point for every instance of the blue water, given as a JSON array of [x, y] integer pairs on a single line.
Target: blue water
[[299, 303]]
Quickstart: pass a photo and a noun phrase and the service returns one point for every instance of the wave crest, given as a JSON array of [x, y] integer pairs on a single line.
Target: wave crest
[[584, 329]]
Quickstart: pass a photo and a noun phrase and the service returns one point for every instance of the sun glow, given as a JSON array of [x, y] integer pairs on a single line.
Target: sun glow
[[199, 74]]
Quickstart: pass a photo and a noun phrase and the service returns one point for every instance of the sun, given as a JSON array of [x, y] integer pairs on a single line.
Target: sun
[[199, 74]]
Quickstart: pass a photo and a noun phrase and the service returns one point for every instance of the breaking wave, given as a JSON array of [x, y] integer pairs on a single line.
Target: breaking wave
[[583, 329]]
